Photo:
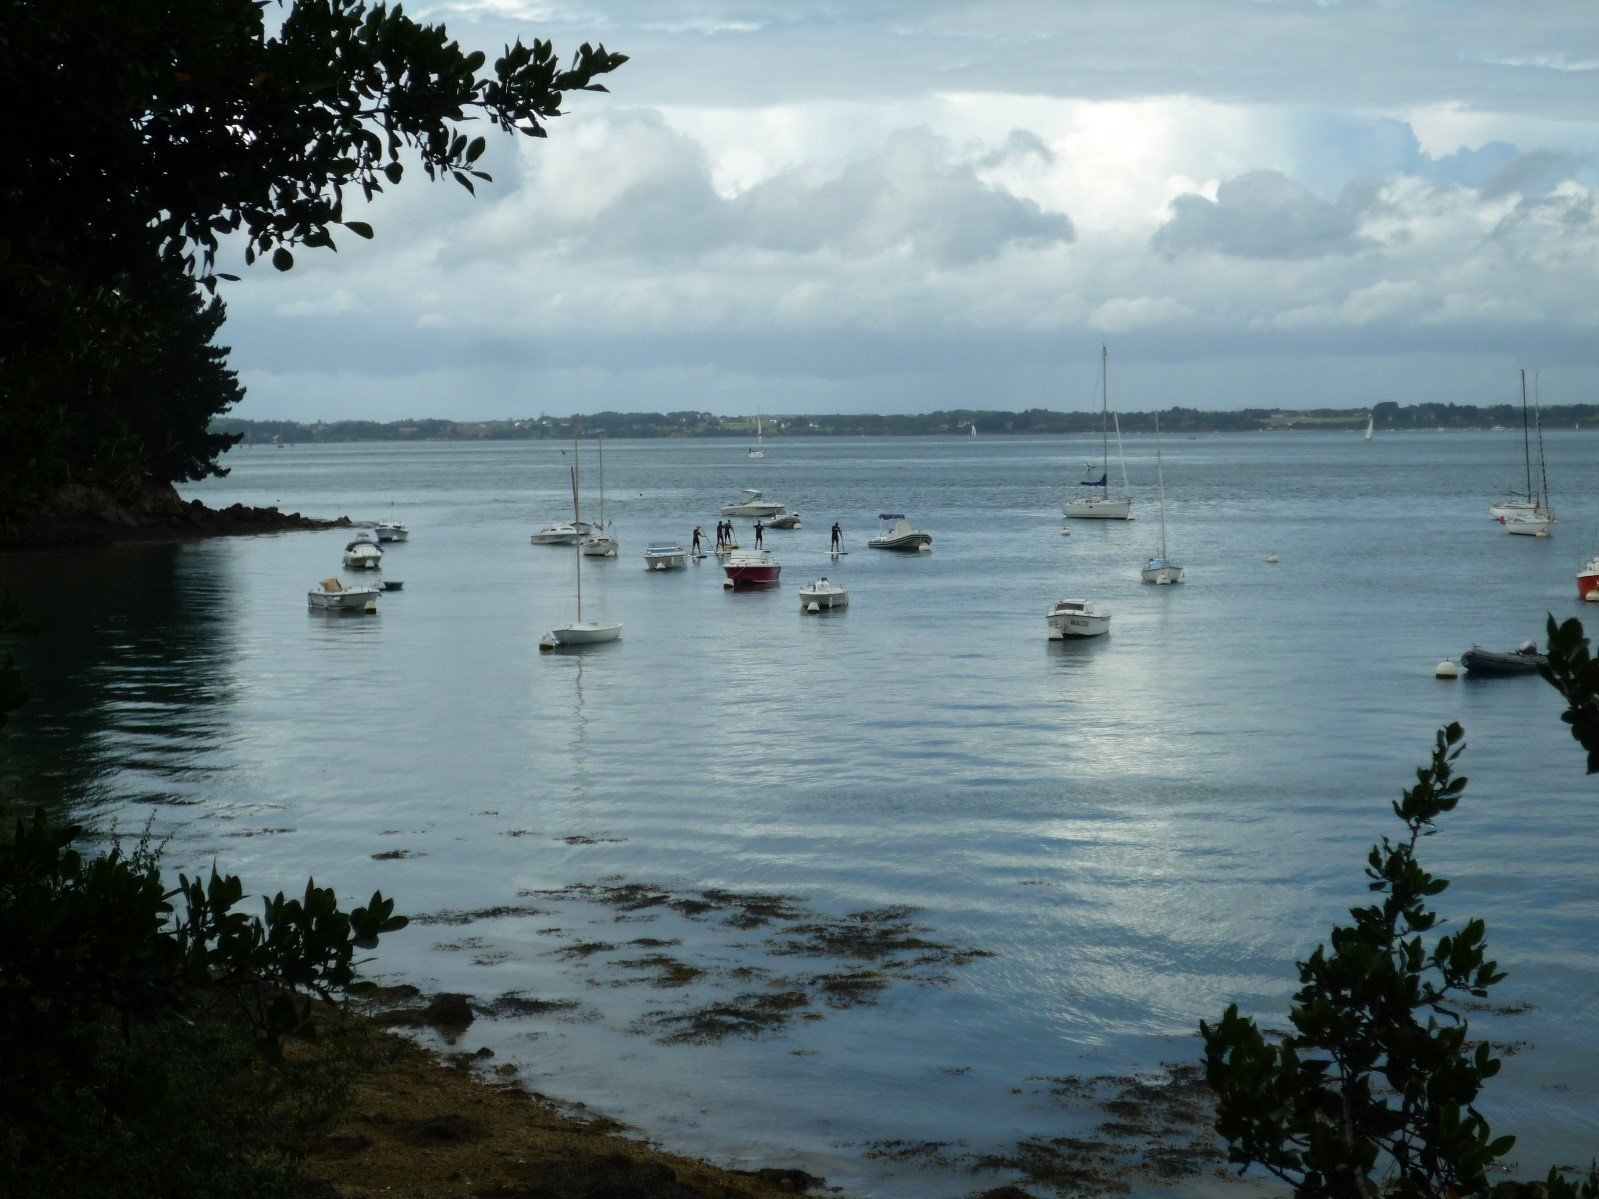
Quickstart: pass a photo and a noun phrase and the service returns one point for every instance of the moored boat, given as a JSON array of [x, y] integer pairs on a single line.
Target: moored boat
[[665, 557], [752, 568], [1525, 659], [897, 533], [1073, 618], [391, 530], [788, 520], [579, 632], [1588, 579], [333, 596], [1161, 569], [1099, 504], [821, 594], [750, 503], [363, 553], [566, 534]]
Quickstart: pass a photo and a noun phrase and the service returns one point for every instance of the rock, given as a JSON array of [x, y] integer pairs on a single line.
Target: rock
[[797, 1181]]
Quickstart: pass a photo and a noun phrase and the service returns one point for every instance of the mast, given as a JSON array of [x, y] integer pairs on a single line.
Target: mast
[[602, 487], [1526, 437], [1104, 417], [577, 521], [1160, 476], [1543, 463]]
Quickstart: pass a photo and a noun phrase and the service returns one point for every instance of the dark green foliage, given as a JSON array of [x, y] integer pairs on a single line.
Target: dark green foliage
[[145, 133], [1374, 1091], [1575, 674], [120, 997]]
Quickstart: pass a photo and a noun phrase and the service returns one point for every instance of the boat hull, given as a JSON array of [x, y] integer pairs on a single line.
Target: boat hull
[[668, 560], [592, 632], [393, 533], [358, 561], [905, 543], [354, 599], [1529, 526], [1484, 661], [755, 509], [1162, 574], [1094, 508], [600, 547], [823, 598], [1510, 509], [788, 521], [1070, 626], [754, 576]]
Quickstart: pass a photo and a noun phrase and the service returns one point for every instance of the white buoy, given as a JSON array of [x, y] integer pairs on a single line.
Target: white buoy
[[1272, 558], [1446, 670], [1065, 532]]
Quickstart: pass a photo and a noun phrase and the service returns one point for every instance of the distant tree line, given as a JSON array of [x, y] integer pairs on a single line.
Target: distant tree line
[[1387, 417]]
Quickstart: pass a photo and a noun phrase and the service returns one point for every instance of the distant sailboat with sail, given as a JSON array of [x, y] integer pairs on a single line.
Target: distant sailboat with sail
[[1371, 423], [1540, 521], [1090, 505], [1521, 503], [580, 632], [757, 450]]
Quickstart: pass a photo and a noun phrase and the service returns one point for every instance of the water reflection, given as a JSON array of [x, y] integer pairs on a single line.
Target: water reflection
[[131, 677]]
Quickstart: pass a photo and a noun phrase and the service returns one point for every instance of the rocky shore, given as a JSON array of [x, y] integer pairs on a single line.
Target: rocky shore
[[79, 515]]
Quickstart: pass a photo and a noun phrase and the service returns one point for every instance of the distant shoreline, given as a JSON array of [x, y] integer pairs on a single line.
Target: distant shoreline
[[1387, 417]]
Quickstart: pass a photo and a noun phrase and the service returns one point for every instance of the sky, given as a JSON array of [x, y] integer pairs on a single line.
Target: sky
[[906, 206]]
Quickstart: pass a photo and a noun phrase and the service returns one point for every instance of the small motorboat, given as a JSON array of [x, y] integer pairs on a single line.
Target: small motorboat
[[392, 584], [600, 545], [821, 595], [750, 503], [333, 596], [665, 557], [1525, 659], [789, 520], [752, 568], [897, 533], [1588, 580], [363, 553], [391, 530], [566, 534], [1073, 618]]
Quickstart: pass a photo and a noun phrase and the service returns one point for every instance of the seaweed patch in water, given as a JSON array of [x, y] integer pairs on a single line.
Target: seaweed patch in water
[[515, 1004], [658, 970], [453, 916], [748, 1015], [395, 855]]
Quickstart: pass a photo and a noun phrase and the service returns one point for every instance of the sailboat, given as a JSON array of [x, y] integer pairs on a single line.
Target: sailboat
[[1161, 569], [580, 632], [1089, 505], [1371, 422], [601, 544], [1540, 521], [974, 430], [1521, 503], [757, 451]]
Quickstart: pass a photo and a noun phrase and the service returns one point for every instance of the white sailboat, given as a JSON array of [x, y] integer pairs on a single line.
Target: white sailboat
[[1090, 505], [1520, 504], [1540, 521], [757, 451], [601, 544], [580, 632], [1371, 423], [974, 430], [1161, 569]]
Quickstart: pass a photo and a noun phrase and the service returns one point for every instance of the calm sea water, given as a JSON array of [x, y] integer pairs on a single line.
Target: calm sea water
[[1140, 829]]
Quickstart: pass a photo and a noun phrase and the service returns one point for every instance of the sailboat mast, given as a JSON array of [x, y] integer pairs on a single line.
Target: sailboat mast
[[1543, 463], [1104, 417], [1160, 476], [1526, 436], [602, 487], [577, 525]]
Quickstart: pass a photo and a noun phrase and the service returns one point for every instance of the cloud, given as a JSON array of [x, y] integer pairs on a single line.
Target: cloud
[[1532, 173], [1261, 214]]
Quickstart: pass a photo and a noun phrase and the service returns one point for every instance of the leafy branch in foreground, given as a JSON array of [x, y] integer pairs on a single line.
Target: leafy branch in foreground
[[1573, 672], [1374, 1091]]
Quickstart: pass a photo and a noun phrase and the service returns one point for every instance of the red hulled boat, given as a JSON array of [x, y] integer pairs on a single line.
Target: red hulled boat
[[752, 568], [1588, 579]]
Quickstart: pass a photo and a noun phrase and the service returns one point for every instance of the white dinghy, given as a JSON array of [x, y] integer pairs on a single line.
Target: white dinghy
[[1074, 618], [333, 596], [821, 595], [665, 557], [363, 553]]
